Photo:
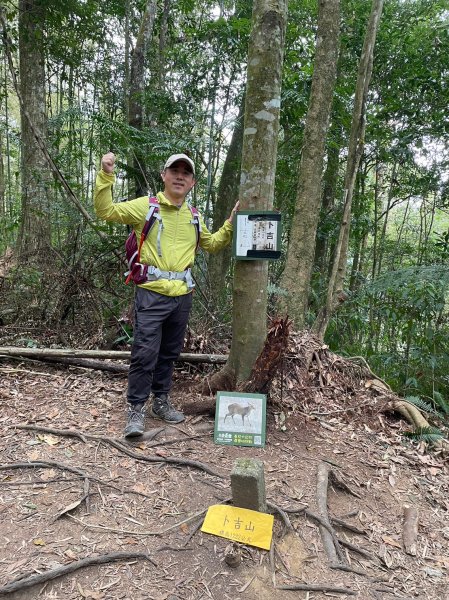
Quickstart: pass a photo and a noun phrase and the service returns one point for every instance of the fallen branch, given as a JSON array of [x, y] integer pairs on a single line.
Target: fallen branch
[[410, 529], [348, 526], [357, 549], [24, 582], [111, 354], [316, 588]]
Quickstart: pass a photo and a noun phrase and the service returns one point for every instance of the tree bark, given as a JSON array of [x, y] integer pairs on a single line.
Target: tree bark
[[35, 229], [330, 179], [228, 191], [300, 255], [355, 149], [260, 139], [136, 92]]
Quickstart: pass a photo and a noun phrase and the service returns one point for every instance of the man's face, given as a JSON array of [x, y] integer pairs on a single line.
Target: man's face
[[178, 180]]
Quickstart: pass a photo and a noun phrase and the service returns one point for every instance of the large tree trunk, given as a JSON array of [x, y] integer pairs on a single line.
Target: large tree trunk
[[228, 191], [136, 92], [356, 141], [260, 139], [35, 227], [300, 255]]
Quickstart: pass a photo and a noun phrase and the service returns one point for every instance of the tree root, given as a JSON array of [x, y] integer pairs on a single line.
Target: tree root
[[25, 582], [330, 541], [119, 446]]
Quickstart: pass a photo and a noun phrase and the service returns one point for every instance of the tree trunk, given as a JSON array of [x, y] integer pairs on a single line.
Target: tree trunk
[[136, 92], [383, 234], [330, 179], [228, 191], [335, 290], [35, 229], [260, 139], [300, 255]]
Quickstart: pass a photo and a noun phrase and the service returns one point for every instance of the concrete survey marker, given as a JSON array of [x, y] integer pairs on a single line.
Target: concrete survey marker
[[240, 419], [248, 484]]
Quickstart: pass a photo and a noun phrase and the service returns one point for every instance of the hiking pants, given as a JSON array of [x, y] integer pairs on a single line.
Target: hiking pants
[[159, 327]]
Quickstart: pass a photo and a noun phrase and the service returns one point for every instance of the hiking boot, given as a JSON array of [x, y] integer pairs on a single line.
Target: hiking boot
[[163, 409], [135, 423]]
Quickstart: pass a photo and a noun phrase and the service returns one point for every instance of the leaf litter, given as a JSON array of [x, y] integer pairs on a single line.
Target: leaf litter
[[330, 412]]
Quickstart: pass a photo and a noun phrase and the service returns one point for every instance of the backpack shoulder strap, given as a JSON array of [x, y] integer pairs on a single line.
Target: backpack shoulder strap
[[151, 216], [150, 219], [196, 221]]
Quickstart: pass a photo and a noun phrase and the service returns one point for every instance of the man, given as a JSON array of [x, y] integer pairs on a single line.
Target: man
[[163, 302]]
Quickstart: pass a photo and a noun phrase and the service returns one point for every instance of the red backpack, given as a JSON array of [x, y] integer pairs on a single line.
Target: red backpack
[[138, 272]]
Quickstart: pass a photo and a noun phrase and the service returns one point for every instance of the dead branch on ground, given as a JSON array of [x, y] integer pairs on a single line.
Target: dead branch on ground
[[410, 529], [27, 581], [317, 588]]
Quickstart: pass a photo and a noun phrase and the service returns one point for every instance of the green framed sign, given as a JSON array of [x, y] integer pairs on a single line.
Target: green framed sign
[[240, 419], [257, 235]]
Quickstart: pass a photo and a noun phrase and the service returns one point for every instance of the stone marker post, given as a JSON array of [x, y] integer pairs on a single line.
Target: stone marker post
[[248, 484]]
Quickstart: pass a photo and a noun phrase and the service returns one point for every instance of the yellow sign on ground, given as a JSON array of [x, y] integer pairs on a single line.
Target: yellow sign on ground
[[239, 524]]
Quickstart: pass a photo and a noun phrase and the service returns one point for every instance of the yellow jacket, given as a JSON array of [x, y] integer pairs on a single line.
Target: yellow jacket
[[178, 238]]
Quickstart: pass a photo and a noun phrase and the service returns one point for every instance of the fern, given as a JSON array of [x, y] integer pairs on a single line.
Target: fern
[[419, 403], [441, 403], [426, 434]]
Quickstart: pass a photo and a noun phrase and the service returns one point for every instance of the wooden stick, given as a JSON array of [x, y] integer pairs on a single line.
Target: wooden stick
[[348, 526], [410, 529], [30, 580], [317, 588], [113, 354]]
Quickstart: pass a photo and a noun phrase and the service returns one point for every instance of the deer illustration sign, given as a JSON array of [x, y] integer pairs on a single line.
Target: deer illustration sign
[[240, 419]]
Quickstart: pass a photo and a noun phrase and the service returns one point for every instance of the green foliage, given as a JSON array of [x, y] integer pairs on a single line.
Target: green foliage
[[426, 434], [399, 322]]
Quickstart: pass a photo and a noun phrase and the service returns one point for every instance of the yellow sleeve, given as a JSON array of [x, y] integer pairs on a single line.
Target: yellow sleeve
[[132, 212], [213, 242]]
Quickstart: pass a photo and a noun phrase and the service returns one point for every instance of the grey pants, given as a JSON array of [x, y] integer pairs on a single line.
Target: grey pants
[[159, 327]]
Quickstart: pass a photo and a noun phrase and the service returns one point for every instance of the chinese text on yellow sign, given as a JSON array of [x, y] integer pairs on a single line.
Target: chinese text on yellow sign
[[239, 524]]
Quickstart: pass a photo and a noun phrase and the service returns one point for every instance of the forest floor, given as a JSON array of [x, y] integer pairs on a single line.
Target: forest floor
[[114, 500]]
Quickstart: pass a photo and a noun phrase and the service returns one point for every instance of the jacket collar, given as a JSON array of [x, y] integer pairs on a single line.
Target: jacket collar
[[166, 202]]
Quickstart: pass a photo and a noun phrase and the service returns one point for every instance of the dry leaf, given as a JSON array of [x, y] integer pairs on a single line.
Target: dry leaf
[[51, 440], [39, 542], [184, 528], [67, 509], [131, 541], [34, 455], [390, 541]]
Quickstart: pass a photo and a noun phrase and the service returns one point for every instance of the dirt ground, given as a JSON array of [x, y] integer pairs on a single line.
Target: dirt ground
[[116, 502]]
